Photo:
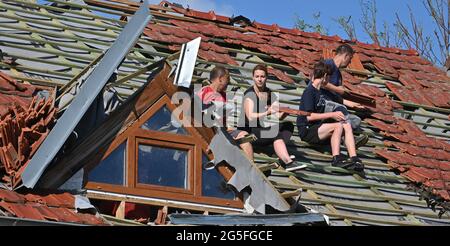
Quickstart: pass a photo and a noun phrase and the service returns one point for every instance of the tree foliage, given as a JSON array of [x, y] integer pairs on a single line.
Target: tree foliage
[[301, 24]]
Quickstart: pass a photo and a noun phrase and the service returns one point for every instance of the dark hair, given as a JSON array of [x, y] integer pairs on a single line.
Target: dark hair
[[344, 49], [320, 69], [218, 72], [260, 67]]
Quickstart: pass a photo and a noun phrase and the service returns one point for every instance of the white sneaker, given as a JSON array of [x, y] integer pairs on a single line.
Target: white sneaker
[[293, 167]]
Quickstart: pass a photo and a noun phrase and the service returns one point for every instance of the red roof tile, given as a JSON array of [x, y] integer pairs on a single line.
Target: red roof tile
[[23, 128], [407, 80], [384, 67], [273, 27], [438, 97], [418, 151], [410, 128], [22, 210], [383, 126], [409, 95], [280, 75], [51, 207], [211, 16], [47, 213], [383, 117], [8, 196]]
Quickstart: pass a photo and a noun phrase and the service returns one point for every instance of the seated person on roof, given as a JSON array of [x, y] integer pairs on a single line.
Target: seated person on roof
[[216, 92], [333, 91], [259, 102], [313, 130]]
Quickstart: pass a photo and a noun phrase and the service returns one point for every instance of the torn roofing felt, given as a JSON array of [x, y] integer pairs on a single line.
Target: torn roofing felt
[[45, 55]]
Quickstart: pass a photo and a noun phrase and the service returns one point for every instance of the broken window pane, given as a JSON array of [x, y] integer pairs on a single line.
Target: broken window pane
[[162, 166], [162, 121], [214, 184], [111, 169]]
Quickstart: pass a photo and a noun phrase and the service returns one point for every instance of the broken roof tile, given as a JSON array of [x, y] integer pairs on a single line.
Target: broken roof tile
[[8, 196], [407, 80], [51, 207], [258, 31], [356, 63], [273, 50], [409, 127], [67, 215], [47, 213], [438, 97], [272, 28], [280, 75], [383, 126], [383, 117], [211, 15], [301, 68], [409, 95], [22, 210], [384, 67]]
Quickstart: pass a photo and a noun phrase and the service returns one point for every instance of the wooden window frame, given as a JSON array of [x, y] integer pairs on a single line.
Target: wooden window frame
[[168, 145], [193, 142]]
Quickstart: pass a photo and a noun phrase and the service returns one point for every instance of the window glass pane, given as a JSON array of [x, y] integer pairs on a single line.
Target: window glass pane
[[214, 184], [111, 169], [162, 121], [162, 166]]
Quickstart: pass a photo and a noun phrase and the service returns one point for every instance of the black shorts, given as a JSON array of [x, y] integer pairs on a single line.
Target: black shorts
[[311, 134], [264, 141]]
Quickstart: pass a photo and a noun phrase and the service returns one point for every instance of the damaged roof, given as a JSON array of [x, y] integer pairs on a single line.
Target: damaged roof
[[25, 122], [406, 158]]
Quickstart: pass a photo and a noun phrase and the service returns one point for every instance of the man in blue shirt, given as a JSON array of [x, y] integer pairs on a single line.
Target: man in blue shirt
[[316, 129], [334, 90]]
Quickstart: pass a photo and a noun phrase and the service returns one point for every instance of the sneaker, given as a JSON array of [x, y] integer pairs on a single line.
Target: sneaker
[[359, 166], [291, 166], [342, 162], [283, 164], [361, 140]]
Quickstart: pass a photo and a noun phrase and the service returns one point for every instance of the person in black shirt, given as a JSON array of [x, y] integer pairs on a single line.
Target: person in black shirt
[[333, 91], [313, 130], [258, 103]]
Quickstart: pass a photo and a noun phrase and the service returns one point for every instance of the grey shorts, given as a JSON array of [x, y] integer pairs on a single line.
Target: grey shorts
[[354, 120], [234, 133]]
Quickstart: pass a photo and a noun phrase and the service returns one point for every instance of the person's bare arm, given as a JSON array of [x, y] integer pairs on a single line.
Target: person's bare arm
[[338, 89], [351, 104], [276, 108], [248, 109], [338, 116]]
